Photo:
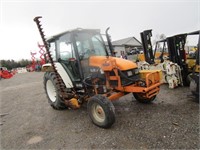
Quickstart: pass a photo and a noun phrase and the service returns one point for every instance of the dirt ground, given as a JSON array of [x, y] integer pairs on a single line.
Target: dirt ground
[[28, 121]]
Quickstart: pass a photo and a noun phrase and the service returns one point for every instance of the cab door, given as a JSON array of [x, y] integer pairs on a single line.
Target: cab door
[[66, 56]]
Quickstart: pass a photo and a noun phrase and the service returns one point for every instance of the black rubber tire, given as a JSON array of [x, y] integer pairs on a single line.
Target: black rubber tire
[[187, 81], [194, 88], [107, 108], [140, 99], [57, 103]]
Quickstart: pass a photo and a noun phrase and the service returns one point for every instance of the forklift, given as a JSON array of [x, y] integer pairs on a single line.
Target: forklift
[[157, 60], [80, 70], [176, 54]]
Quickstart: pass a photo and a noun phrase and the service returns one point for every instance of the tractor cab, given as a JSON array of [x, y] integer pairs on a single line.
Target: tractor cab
[[73, 49]]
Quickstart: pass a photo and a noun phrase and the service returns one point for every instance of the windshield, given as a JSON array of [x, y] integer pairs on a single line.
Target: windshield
[[90, 44]]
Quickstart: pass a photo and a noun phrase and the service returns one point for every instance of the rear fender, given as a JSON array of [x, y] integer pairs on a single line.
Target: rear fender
[[64, 75], [47, 68]]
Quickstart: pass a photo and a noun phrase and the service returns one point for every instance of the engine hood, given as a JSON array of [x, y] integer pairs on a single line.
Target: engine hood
[[122, 64]]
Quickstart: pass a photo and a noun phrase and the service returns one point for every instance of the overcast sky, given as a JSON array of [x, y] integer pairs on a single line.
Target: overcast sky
[[19, 34]]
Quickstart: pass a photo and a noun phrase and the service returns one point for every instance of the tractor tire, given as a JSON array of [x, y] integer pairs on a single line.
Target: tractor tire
[[101, 111], [140, 99], [52, 93]]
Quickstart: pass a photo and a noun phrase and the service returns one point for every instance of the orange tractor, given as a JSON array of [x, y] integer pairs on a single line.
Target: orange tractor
[[79, 70]]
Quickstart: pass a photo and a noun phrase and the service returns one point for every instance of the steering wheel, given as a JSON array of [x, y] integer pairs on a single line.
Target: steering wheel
[[85, 52]]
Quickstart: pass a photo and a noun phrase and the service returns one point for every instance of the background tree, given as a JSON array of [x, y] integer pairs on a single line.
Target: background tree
[[10, 64]]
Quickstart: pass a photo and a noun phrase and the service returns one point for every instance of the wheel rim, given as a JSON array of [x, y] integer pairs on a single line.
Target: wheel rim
[[98, 113], [51, 90]]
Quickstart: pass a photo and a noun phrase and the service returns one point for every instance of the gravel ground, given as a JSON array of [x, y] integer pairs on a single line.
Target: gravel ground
[[28, 122]]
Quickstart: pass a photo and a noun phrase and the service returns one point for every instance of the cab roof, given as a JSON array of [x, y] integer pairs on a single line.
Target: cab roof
[[194, 33], [72, 31]]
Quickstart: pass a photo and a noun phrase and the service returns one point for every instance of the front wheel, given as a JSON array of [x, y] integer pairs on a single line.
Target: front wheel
[[139, 97], [52, 92], [101, 111]]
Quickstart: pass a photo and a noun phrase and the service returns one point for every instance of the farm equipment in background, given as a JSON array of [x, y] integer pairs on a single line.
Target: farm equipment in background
[[157, 60], [36, 64], [5, 74], [177, 55], [31, 67], [42, 54], [81, 70], [175, 66]]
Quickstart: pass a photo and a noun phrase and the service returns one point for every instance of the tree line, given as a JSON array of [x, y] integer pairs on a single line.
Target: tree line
[[11, 64]]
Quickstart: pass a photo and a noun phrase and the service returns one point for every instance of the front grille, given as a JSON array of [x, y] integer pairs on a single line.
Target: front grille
[[127, 77], [129, 80]]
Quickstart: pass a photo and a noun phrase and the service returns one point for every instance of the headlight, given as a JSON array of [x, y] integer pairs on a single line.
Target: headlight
[[129, 73]]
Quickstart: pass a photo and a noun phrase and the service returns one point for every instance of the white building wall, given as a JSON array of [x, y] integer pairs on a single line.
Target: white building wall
[[118, 50]]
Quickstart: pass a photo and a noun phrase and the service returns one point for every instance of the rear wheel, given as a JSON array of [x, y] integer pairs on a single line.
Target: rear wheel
[[101, 111], [51, 91], [139, 97]]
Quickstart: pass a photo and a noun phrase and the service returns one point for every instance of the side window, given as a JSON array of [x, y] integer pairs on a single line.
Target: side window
[[66, 50]]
